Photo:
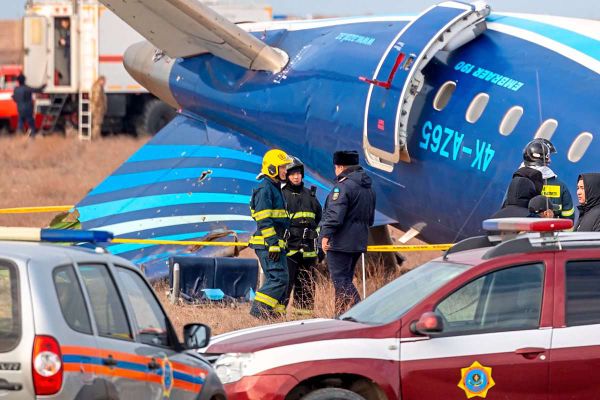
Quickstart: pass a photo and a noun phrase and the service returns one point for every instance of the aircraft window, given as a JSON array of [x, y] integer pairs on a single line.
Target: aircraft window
[[579, 146], [546, 129], [510, 120], [477, 107], [442, 97]]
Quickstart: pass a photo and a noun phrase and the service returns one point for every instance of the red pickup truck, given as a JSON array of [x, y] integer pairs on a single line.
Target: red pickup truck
[[510, 316]]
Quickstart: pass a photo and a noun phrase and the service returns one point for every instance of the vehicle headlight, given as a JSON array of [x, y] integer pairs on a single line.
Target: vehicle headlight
[[230, 367]]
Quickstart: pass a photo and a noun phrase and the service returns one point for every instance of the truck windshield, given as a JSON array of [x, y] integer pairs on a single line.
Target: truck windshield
[[10, 313], [397, 297]]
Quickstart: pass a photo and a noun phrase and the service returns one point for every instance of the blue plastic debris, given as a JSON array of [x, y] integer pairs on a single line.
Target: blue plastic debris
[[213, 294]]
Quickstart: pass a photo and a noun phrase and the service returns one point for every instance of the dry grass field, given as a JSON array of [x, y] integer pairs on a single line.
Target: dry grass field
[[60, 170], [54, 170]]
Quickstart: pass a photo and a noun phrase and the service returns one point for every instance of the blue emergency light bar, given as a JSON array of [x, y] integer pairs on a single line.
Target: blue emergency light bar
[[527, 224], [63, 235], [54, 235]]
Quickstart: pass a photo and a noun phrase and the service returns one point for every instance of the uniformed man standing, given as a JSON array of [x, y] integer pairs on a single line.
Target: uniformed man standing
[[536, 155], [98, 106], [267, 207], [305, 214], [349, 212], [23, 96]]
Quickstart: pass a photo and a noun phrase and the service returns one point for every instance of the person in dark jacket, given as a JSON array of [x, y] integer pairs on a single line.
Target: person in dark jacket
[[520, 192], [348, 214], [536, 155], [533, 175], [588, 194], [541, 207], [23, 96], [305, 214], [267, 207]]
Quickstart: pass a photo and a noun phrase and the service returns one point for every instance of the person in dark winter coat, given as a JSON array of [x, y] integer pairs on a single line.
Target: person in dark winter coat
[[520, 192], [23, 96], [588, 194], [348, 214], [305, 214], [533, 175], [541, 207], [536, 155]]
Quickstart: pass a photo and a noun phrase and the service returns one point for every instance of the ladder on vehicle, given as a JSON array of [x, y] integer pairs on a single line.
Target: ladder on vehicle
[[85, 116], [52, 113]]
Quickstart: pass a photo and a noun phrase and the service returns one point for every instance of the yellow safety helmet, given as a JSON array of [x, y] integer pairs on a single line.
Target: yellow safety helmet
[[272, 160]]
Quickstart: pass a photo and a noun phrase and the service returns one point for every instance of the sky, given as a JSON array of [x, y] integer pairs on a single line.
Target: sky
[[305, 8]]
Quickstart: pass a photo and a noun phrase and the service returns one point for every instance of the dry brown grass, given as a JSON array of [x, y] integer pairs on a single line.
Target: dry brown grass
[[56, 170], [225, 318]]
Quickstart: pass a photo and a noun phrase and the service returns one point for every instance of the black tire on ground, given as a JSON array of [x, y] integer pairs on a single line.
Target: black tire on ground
[[154, 117], [332, 394]]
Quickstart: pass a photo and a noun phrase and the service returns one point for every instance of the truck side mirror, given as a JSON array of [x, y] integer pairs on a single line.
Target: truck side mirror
[[429, 323], [196, 336]]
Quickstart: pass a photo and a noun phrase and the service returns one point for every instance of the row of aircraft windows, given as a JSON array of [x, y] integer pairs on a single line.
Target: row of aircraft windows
[[511, 119]]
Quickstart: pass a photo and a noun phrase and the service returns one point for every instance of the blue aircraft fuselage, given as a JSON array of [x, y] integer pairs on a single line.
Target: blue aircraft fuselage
[[459, 170]]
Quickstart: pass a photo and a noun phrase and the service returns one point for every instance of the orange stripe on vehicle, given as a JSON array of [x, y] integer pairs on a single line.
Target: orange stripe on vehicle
[[120, 356], [188, 369], [103, 353], [187, 386]]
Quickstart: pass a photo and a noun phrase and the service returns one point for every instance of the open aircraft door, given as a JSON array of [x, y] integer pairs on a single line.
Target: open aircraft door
[[35, 37], [398, 77]]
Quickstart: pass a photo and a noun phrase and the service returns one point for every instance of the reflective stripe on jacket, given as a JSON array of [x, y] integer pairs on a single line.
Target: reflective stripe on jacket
[[267, 207], [305, 214]]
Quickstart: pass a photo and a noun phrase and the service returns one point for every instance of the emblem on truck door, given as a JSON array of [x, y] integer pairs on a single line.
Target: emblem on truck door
[[476, 380]]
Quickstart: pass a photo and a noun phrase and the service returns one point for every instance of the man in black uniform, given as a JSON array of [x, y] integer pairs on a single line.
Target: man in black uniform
[[349, 212], [536, 155], [23, 96], [305, 214]]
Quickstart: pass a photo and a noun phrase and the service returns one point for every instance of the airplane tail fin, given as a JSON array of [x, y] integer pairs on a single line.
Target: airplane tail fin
[[184, 28]]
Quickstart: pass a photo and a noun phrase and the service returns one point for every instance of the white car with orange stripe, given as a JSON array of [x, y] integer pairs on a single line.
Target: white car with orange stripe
[[79, 323], [516, 319]]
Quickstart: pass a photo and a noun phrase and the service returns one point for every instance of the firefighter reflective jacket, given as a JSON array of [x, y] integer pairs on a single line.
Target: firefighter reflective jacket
[[557, 191], [267, 208], [305, 214]]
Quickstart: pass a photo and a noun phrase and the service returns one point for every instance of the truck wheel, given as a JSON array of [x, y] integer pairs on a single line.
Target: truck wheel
[[154, 117], [332, 394]]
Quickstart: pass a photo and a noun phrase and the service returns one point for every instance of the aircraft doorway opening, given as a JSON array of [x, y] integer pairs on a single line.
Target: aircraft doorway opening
[[395, 84], [62, 51]]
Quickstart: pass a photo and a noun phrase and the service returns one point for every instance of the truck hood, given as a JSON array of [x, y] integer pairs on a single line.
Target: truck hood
[[277, 335]]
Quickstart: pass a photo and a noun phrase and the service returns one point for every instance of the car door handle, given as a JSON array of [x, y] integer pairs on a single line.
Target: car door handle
[[10, 386], [530, 352], [109, 362], [153, 365]]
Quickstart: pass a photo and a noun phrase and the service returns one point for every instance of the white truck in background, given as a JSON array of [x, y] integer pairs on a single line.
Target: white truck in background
[[69, 44]]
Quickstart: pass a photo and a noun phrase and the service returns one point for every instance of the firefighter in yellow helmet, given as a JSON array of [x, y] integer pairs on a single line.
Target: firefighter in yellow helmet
[[268, 209]]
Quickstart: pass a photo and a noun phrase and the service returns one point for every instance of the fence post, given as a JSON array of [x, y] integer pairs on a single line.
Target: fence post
[[364, 276], [176, 284]]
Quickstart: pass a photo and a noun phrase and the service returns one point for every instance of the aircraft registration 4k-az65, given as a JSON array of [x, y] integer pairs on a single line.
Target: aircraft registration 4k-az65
[[441, 105]]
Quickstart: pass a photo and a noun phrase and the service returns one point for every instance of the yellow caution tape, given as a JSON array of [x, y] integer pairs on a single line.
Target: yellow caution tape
[[25, 210], [407, 248], [374, 249], [371, 249]]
